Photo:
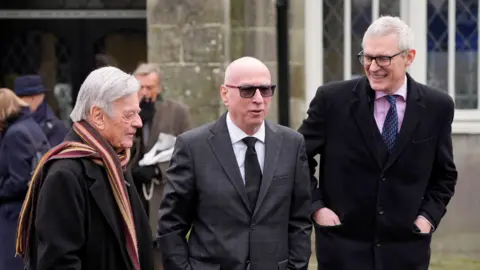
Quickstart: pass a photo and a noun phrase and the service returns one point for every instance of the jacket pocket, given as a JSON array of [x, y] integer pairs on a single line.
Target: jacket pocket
[[199, 265], [283, 265]]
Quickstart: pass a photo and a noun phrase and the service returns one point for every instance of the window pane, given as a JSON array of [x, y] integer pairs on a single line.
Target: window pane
[[361, 19], [333, 40], [466, 47], [437, 40], [466, 88]]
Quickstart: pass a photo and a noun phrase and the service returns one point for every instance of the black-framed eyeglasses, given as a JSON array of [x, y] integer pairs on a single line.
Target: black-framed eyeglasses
[[381, 60], [248, 91]]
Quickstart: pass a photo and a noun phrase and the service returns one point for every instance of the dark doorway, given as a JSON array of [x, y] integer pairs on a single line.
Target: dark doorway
[[63, 51]]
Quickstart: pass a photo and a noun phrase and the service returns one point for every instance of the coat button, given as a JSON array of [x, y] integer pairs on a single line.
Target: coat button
[[253, 227], [380, 211]]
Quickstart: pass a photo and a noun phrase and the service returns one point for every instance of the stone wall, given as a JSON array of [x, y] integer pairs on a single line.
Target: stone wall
[[195, 40]]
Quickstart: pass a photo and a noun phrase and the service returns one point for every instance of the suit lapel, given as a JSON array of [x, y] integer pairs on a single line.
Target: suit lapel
[[360, 107], [413, 113], [221, 145], [273, 142], [103, 197]]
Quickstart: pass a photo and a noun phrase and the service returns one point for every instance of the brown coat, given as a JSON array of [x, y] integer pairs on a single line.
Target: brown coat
[[171, 117]]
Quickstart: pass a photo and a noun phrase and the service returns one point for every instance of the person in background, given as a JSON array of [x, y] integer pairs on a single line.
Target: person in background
[[387, 171], [163, 120], [22, 144], [31, 90]]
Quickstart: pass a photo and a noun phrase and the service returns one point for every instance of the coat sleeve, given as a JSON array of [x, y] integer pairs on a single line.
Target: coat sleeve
[[300, 225], [19, 152], [59, 222], [444, 174], [176, 211], [313, 130]]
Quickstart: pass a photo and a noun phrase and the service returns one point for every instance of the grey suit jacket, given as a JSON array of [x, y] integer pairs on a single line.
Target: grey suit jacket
[[205, 193]]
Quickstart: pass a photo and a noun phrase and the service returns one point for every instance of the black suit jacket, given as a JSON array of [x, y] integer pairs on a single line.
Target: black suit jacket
[[205, 192], [78, 224], [376, 195]]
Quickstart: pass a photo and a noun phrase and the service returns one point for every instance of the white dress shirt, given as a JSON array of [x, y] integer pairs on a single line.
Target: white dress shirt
[[240, 148]]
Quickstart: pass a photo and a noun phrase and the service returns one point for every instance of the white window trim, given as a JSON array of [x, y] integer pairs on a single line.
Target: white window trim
[[465, 121]]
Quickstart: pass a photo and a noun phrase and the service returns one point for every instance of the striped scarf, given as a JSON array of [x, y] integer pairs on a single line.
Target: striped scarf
[[101, 153]]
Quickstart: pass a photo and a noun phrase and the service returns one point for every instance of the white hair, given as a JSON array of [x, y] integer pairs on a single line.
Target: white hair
[[101, 87], [386, 25]]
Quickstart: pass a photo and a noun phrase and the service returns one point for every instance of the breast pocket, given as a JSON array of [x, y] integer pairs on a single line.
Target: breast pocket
[[423, 140], [280, 180]]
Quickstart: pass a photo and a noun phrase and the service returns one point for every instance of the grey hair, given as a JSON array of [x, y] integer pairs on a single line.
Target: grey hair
[[147, 68], [386, 25], [101, 87]]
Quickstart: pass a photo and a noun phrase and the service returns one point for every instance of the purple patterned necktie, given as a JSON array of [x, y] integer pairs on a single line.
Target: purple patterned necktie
[[390, 127]]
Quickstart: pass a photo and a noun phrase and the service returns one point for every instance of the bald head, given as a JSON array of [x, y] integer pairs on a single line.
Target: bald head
[[244, 69]]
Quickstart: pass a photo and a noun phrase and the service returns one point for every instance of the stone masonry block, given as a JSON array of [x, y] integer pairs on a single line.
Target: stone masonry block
[[163, 12], [297, 14], [198, 87], [164, 44], [296, 45], [204, 44], [259, 13], [297, 81], [259, 43], [181, 12]]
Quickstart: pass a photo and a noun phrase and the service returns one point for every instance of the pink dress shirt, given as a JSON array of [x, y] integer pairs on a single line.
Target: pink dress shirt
[[381, 106]]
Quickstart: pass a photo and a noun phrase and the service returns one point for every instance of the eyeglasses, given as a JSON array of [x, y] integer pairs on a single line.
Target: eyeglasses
[[248, 91], [381, 60]]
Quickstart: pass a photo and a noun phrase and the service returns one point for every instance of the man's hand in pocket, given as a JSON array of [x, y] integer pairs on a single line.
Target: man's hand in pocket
[[423, 225], [326, 217]]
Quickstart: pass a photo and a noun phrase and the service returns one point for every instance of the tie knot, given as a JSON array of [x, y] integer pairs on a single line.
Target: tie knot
[[391, 99], [250, 141]]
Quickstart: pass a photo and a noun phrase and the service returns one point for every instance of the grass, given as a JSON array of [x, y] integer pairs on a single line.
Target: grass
[[439, 262], [454, 263]]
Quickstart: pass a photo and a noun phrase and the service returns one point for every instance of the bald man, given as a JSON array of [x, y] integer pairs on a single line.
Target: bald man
[[240, 185]]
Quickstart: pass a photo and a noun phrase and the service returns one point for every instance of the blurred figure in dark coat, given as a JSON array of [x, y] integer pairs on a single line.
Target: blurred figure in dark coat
[[31, 90], [22, 143]]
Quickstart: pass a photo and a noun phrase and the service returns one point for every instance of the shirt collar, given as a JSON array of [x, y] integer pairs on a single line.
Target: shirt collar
[[236, 134], [402, 91]]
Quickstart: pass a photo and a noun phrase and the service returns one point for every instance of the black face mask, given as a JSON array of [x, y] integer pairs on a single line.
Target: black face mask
[[147, 107]]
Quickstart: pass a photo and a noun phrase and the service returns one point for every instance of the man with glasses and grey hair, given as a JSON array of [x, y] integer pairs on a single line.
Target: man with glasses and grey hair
[[240, 184], [387, 171]]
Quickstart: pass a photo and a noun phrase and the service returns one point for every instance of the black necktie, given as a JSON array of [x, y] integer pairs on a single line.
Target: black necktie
[[253, 173], [390, 127]]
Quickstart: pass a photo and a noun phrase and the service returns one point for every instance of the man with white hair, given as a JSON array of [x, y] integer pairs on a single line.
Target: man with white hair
[[386, 166], [81, 212]]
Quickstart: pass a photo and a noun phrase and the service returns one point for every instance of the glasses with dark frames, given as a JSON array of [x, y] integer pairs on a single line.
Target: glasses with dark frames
[[380, 60], [248, 91]]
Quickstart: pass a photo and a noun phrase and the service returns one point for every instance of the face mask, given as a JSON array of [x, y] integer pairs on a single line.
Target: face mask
[[147, 107]]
